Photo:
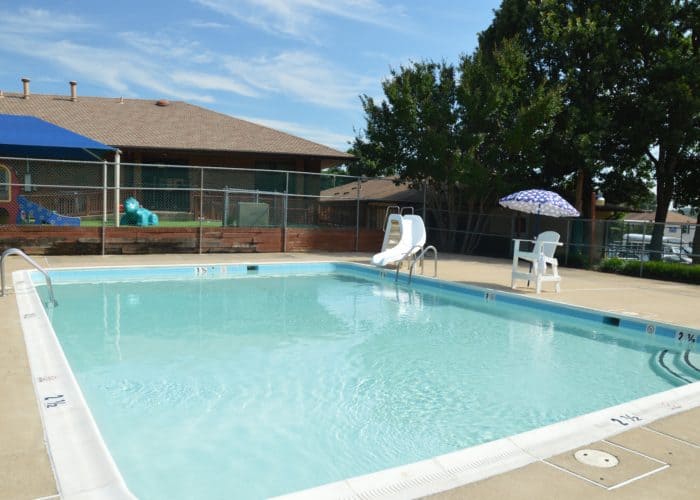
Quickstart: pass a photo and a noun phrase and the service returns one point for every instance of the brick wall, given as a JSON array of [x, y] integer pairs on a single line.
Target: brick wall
[[53, 240]]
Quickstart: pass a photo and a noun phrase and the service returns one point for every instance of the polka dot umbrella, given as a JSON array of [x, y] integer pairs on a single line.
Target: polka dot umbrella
[[540, 202]]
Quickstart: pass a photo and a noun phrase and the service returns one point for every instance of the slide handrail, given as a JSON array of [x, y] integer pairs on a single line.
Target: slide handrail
[[17, 251]]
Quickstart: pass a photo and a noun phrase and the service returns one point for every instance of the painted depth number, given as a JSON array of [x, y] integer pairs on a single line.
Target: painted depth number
[[685, 337], [626, 419]]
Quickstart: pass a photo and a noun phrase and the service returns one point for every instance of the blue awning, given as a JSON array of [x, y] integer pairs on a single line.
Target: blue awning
[[30, 137]]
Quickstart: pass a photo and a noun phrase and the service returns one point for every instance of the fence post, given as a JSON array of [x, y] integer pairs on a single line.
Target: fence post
[[104, 204], [425, 195], [117, 168], [357, 215], [641, 257], [511, 245], [286, 210], [226, 206], [568, 242], [201, 206]]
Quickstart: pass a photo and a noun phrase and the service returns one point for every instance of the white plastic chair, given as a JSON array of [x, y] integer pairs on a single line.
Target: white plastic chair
[[541, 256]]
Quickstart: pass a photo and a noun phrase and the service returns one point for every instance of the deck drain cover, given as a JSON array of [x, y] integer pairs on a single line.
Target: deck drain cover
[[596, 458]]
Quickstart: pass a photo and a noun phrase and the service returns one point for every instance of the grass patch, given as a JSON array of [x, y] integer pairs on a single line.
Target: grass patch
[[658, 270]]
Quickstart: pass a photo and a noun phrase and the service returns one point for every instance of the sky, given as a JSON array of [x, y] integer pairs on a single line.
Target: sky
[[294, 65]]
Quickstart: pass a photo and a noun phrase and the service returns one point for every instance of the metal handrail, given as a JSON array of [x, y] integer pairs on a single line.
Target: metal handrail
[[387, 212], [17, 251], [411, 252], [420, 257], [399, 210]]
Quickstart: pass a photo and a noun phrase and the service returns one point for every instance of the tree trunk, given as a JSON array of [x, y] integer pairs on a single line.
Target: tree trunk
[[696, 241], [665, 169]]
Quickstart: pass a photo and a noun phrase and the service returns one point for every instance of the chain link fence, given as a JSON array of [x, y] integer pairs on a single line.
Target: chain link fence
[[51, 193]]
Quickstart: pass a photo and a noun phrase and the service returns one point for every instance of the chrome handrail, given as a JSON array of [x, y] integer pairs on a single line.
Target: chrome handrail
[[420, 257], [17, 251], [388, 211], [411, 252]]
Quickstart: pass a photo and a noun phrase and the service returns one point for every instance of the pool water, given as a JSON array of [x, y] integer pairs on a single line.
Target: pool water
[[253, 386]]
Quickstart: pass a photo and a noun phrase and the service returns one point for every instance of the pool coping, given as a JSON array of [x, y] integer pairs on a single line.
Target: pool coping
[[66, 418], [81, 462]]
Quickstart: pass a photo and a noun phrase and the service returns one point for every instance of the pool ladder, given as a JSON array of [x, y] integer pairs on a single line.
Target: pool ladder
[[17, 251], [418, 257]]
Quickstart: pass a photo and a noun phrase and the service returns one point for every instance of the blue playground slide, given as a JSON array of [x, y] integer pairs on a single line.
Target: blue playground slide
[[42, 215]]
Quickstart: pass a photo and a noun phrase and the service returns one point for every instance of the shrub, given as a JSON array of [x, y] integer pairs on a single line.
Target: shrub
[[612, 265], [660, 270]]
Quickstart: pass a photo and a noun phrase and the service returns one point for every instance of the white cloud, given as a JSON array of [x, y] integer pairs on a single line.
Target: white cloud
[[297, 18], [172, 66], [302, 76], [119, 70], [321, 136], [208, 25], [212, 82], [167, 47], [26, 21]]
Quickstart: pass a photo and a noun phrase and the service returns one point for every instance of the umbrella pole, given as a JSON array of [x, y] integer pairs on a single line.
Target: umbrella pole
[[534, 237]]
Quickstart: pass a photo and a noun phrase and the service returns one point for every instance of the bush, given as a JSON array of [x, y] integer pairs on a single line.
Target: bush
[[659, 270], [612, 265]]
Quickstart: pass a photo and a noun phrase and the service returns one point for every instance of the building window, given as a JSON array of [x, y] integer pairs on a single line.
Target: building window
[[5, 188]]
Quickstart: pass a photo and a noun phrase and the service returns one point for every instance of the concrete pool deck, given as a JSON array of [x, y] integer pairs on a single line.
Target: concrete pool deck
[[662, 454]]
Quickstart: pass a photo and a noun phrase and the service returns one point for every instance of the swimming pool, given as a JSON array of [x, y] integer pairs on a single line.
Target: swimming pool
[[327, 371]]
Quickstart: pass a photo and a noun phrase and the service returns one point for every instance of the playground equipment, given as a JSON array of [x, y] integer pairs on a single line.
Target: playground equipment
[[42, 215], [136, 215]]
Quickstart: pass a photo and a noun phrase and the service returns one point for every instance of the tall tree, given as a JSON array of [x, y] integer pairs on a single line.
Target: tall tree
[[687, 192], [570, 44], [657, 98], [411, 132], [630, 73], [467, 133]]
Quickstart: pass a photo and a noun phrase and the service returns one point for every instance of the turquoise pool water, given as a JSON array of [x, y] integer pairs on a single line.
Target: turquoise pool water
[[257, 385]]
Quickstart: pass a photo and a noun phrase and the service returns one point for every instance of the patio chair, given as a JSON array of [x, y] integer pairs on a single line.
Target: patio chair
[[540, 258]]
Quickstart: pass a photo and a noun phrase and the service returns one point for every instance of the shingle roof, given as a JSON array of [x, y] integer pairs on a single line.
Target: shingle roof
[[140, 123], [671, 217], [384, 189]]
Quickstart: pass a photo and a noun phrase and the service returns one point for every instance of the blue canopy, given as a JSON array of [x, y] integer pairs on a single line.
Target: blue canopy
[[28, 136]]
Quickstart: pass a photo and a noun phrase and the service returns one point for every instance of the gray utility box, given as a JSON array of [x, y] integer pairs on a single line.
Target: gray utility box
[[251, 214]]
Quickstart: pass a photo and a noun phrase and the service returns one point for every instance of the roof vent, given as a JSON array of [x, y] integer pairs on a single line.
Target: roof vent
[[1, 94], [25, 85], [121, 100], [73, 90], [163, 103]]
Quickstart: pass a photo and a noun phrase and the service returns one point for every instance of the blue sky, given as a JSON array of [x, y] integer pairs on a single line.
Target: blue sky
[[295, 65]]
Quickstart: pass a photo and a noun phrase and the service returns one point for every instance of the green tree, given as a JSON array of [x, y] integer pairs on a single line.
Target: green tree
[[629, 70], [412, 132], [571, 45], [657, 98], [470, 134], [630, 186], [687, 192]]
